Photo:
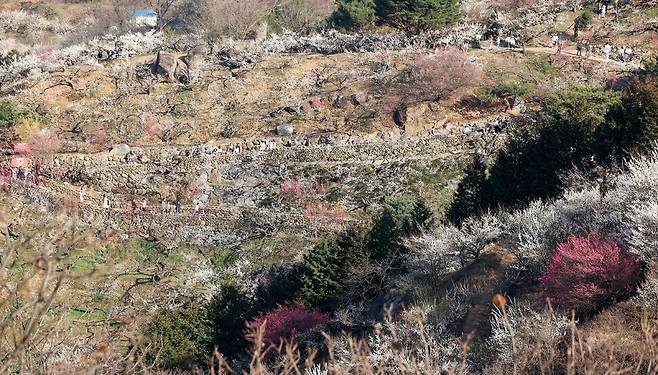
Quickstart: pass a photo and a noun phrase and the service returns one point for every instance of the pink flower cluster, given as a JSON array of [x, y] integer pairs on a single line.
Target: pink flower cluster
[[284, 324], [317, 212], [586, 272], [297, 189]]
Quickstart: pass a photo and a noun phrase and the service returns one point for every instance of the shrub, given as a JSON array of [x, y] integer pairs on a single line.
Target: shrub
[[11, 115], [228, 312], [586, 273], [582, 21], [284, 324], [403, 216], [523, 338], [633, 125], [535, 156], [179, 338], [301, 16], [322, 273], [354, 14], [419, 15], [438, 75], [468, 198]]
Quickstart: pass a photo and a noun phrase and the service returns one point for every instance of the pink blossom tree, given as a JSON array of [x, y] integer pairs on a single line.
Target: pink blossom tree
[[438, 75], [284, 324], [586, 273]]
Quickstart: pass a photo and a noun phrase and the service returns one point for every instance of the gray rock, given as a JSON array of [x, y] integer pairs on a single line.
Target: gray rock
[[165, 64], [120, 150], [195, 57], [285, 130]]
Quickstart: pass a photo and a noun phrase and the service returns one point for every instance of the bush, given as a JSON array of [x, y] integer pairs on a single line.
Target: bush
[[354, 14], [179, 338], [583, 21], [419, 15], [469, 198], [529, 167], [587, 273], [438, 75], [301, 16], [284, 324], [11, 115], [632, 125], [325, 273], [228, 312], [403, 216]]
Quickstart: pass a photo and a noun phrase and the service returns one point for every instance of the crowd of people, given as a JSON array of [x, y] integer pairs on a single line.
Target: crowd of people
[[31, 175], [136, 206]]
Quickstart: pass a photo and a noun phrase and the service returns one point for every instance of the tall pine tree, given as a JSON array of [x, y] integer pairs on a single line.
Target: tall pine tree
[[419, 15]]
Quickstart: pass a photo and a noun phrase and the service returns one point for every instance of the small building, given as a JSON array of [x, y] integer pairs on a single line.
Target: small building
[[144, 17]]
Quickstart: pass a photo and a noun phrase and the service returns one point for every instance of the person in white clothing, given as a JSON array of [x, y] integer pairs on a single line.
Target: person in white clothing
[[106, 202], [82, 196], [606, 50]]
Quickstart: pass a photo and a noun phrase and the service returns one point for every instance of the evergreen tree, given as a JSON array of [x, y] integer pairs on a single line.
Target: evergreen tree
[[469, 198], [403, 215], [582, 22], [419, 15], [322, 273], [354, 14]]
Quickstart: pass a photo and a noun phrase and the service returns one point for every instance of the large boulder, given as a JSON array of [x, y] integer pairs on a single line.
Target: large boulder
[[285, 130], [195, 57], [120, 150]]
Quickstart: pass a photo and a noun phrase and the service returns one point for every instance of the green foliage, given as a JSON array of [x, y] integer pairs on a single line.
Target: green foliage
[[419, 15], [410, 15], [403, 216], [147, 250], [179, 338], [535, 155], [228, 312], [579, 107], [354, 14], [323, 273], [11, 115], [633, 125], [469, 198], [505, 89], [583, 21]]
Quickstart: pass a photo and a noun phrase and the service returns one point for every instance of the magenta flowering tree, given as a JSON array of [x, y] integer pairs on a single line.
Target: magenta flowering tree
[[588, 272], [284, 324]]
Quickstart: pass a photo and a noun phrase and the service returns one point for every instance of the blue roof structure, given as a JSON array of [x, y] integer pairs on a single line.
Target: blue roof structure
[[143, 13]]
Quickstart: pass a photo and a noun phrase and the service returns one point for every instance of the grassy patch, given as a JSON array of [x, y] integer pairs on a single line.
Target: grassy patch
[[651, 12], [91, 315]]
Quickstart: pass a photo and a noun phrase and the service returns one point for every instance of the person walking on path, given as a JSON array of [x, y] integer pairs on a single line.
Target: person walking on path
[[178, 206], [606, 51], [82, 196], [622, 53], [106, 202]]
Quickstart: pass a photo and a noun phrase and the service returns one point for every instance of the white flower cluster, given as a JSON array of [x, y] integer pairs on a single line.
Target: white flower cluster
[[405, 345], [519, 327], [37, 65], [29, 24]]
